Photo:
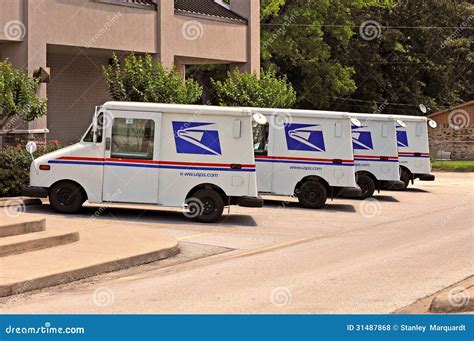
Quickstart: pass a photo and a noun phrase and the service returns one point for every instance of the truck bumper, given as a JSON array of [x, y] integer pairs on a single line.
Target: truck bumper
[[250, 201], [35, 192], [347, 191], [425, 177], [392, 184]]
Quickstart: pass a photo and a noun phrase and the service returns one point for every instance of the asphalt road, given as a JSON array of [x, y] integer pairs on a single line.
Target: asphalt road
[[352, 257]]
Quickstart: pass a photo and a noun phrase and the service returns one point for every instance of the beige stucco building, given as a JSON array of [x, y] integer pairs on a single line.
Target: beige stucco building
[[72, 39]]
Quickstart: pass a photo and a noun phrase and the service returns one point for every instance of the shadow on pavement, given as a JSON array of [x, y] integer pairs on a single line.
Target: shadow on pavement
[[386, 198], [142, 215], [331, 206]]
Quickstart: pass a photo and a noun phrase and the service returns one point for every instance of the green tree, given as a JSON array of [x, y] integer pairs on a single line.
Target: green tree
[[423, 54], [18, 97], [248, 90], [141, 79], [300, 40]]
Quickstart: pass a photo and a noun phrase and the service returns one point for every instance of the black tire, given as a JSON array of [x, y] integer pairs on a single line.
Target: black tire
[[212, 205], [66, 197], [367, 186], [405, 177], [312, 194]]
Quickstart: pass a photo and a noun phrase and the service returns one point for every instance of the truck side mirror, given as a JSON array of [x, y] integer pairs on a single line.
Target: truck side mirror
[[31, 147]]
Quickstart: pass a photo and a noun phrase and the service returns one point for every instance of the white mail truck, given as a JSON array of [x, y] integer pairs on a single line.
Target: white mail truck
[[197, 157], [413, 148], [375, 153], [304, 153]]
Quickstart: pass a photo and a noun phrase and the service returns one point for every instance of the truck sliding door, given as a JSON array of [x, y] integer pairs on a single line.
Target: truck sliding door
[[131, 159]]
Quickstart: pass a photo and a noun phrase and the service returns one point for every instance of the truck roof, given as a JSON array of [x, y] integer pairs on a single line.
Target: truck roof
[[176, 108]]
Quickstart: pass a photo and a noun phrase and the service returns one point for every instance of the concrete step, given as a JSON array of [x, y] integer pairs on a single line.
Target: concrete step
[[22, 228], [102, 248], [28, 242]]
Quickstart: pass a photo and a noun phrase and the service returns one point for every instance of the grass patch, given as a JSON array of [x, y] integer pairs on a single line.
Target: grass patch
[[453, 166]]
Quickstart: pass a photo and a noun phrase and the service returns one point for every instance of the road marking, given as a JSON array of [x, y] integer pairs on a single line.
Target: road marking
[[195, 236], [275, 246]]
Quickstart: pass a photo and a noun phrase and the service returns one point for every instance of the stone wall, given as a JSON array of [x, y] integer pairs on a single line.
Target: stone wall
[[460, 143]]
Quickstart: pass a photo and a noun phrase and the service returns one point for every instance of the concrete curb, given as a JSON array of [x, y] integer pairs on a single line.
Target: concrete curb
[[457, 300], [19, 201], [77, 274], [22, 228]]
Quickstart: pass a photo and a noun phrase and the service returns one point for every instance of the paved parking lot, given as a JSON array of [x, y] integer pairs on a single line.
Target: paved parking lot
[[372, 256]]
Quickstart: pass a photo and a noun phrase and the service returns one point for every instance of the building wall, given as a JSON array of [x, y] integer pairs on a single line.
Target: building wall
[[460, 143], [76, 87], [455, 132], [82, 26]]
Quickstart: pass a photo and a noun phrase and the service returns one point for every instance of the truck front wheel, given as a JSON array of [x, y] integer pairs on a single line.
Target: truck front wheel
[[312, 194], [211, 205], [66, 197]]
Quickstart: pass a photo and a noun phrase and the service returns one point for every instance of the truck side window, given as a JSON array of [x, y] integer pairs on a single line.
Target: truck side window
[[89, 137], [260, 138], [133, 138]]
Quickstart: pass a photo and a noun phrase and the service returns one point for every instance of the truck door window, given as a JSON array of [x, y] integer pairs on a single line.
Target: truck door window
[[260, 138], [133, 138]]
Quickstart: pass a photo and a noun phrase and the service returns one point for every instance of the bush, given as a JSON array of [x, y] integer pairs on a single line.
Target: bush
[[15, 168], [18, 97], [140, 79], [248, 90]]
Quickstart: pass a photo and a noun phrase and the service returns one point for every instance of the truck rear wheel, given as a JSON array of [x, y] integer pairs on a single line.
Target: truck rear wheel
[[211, 204], [312, 194], [66, 197], [367, 186]]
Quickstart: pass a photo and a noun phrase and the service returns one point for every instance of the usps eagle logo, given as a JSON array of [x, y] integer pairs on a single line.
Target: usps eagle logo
[[196, 138], [402, 137], [308, 137], [361, 140]]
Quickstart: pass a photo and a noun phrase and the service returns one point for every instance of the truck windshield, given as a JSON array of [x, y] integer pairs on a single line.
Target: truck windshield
[[89, 137]]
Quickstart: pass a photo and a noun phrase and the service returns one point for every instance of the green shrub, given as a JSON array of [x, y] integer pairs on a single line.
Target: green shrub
[[18, 97], [15, 168], [248, 90], [140, 79]]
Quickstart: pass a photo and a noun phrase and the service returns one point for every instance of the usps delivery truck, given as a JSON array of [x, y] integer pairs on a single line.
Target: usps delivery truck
[[413, 148], [304, 153], [375, 152], [197, 157]]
